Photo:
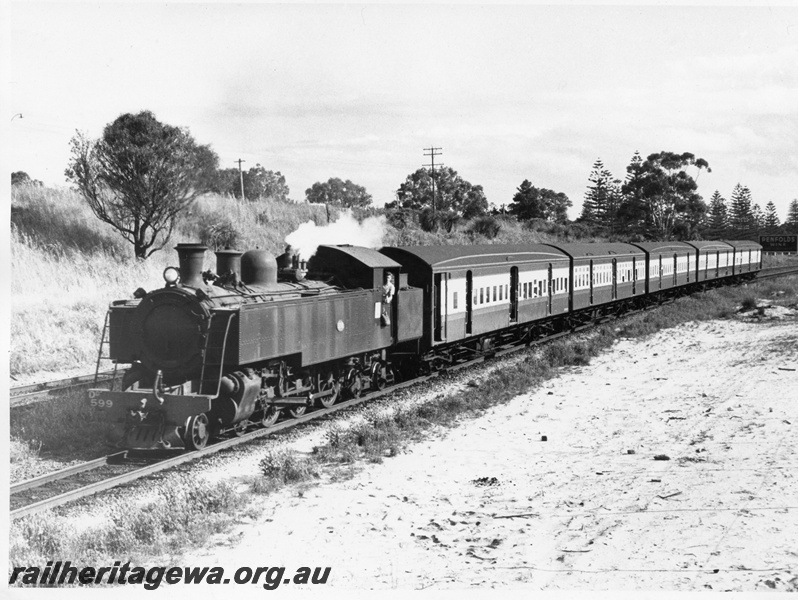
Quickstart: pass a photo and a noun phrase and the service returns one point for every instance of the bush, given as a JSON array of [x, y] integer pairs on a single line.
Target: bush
[[487, 226], [219, 234], [432, 221], [283, 467]]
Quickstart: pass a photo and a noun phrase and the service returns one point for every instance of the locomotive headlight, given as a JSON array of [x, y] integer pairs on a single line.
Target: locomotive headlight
[[171, 275]]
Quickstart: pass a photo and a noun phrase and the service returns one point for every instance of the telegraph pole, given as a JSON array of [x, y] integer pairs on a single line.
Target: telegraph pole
[[432, 154], [241, 176]]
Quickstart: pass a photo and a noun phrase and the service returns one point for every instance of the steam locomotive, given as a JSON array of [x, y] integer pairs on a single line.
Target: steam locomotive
[[212, 354]]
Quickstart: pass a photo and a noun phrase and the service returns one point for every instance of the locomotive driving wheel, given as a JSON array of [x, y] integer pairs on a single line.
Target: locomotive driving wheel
[[197, 432], [353, 384], [378, 377], [299, 410], [328, 383], [270, 416]]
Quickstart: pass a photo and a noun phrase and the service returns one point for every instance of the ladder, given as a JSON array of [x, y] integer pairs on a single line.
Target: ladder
[[104, 341], [209, 376]]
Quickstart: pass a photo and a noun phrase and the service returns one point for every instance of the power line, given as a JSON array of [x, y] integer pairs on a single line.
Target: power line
[[432, 154]]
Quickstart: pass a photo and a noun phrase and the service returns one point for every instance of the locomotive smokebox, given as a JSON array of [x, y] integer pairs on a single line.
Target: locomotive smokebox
[[191, 258], [258, 267], [228, 261]]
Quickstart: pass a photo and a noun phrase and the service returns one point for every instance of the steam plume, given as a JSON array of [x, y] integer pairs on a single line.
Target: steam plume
[[346, 230]]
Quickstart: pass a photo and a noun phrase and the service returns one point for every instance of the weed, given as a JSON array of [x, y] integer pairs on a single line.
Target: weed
[[284, 467], [748, 302]]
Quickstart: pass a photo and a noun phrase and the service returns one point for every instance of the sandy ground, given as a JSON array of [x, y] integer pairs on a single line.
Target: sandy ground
[[596, 505]]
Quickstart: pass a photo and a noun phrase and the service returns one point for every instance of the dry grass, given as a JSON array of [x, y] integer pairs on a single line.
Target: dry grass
[[184, 512]]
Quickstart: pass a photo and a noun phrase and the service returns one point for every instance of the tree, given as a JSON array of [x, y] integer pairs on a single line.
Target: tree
[[632, 214], [661, 197], [771, 217], [717, 218], [757, 216], [258, 183], [530, 202], [602, 198], [452, 193], [338, 193], [22, 178], [792, 216], [741, 218], [139, 176]]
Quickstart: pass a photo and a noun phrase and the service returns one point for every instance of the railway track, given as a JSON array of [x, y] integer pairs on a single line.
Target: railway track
[[79, 481], [85, 479], [777, 272], [39, 392]]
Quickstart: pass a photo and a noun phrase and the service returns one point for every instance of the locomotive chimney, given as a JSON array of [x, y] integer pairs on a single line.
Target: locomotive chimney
[[191, 258], [258, 267], [228, 261]]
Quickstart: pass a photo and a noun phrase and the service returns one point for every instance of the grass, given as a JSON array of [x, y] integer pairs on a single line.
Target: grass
[[64, 427], [184, 511]]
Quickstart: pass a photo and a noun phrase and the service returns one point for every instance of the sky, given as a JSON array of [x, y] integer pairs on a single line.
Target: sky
[[359, 91]]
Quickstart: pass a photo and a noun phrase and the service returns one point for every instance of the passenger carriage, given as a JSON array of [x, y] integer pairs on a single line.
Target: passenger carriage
[[747, 256], [669, 264], [604, 273], [714, 260], [474, 290]]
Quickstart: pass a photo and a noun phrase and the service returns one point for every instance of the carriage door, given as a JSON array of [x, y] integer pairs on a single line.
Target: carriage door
[[659, 279], [469, 300], [675, 268], [614, 278], [717, 263], [439, 300], [513, 294], [550, 288], [634, 276], [591, 282]]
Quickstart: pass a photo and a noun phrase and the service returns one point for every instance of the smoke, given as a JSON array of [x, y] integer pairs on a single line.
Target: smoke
[[346, 230]]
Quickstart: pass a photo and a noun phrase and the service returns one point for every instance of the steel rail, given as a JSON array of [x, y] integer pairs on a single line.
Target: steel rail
[[184, 457], [287, 424], [31, 394], [42, 480]]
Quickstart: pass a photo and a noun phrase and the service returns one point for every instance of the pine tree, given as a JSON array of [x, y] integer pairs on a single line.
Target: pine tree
[[757, 216], [792, 216], [601, 198], [632, 214], [717, 217], [740, 216], [771, 217]]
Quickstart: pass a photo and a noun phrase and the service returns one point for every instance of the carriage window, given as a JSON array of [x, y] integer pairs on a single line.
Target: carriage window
[[481, 295], [454, 300], [494, 293]]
